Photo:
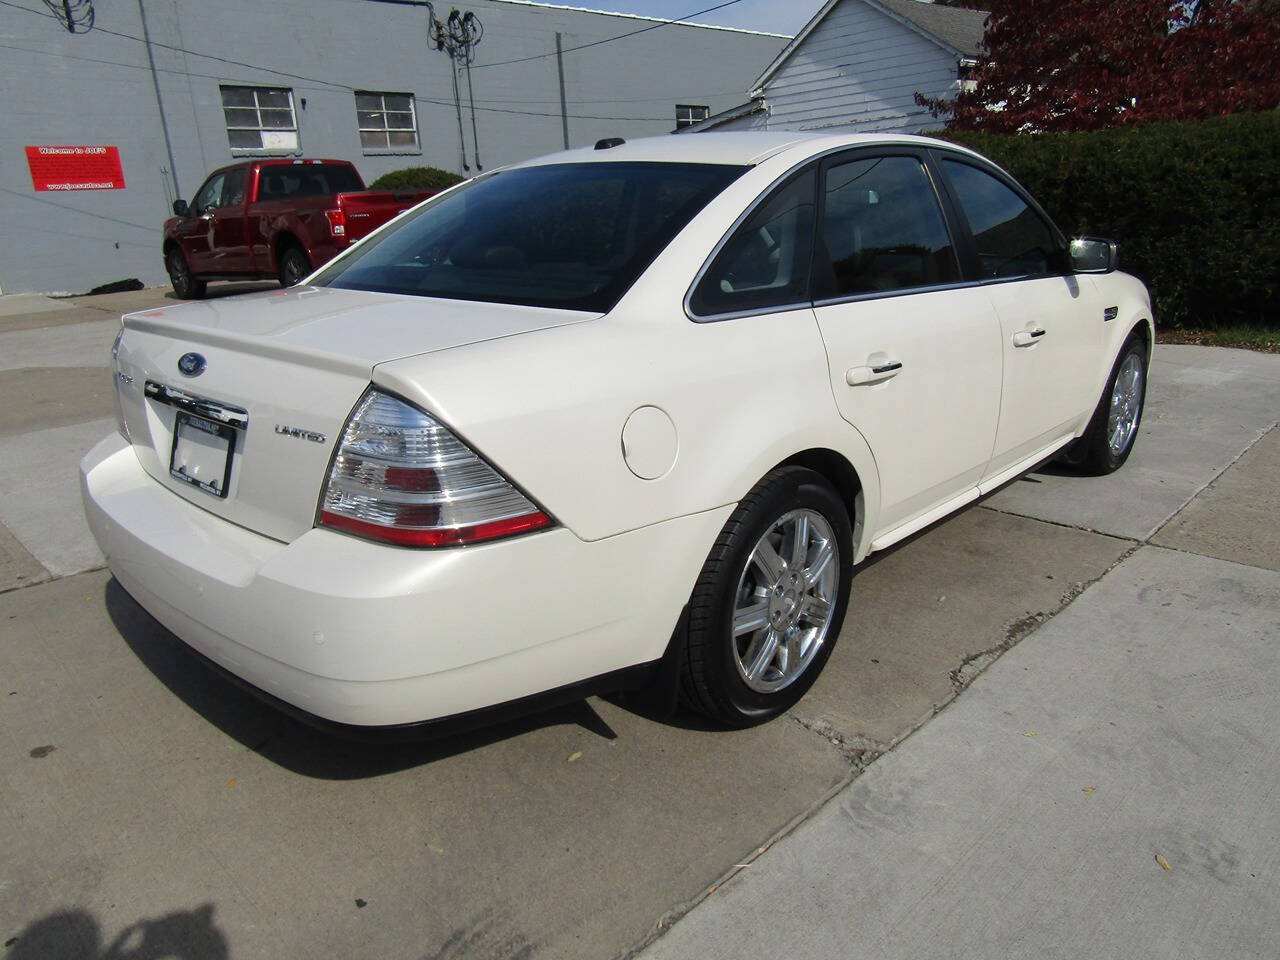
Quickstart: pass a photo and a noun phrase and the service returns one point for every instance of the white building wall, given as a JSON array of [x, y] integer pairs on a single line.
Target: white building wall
[[859, 69], [96, 88]]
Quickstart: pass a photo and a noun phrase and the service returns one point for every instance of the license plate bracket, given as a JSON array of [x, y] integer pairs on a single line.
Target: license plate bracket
[[201, 454]]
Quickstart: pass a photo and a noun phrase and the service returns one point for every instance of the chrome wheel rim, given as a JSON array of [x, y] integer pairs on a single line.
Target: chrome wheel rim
[[1126, 405], [782, 607]]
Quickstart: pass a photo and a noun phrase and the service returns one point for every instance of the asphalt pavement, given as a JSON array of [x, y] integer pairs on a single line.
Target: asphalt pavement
[[1110, 642]]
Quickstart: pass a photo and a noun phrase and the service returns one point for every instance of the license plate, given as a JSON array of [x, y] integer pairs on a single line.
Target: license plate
[[202, 453]]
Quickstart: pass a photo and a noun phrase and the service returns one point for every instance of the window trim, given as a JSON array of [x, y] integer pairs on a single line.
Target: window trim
[[967, 246], [261, 151], [950, 215], [388, 151], [884, 151], [767, 194], [692, 108]]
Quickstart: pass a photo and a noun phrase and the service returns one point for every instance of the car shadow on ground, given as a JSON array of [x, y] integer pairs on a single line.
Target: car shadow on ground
[[288, 742], [74, 934]]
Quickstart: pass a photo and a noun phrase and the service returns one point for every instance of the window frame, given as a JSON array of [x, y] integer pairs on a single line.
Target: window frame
[[388, 150], [765, 196], [196, 209], [261, 151], [877, 152], [967, 247], [693, 108]]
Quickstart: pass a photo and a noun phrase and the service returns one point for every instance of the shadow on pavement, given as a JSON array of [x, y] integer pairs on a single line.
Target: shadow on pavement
[[286, 741], [75, 935]]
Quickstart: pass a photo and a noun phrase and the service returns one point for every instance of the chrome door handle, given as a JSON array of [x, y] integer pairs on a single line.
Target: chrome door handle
[[872, 373], [1025, 338]]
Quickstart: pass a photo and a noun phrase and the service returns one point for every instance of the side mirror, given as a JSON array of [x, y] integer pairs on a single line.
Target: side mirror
[[1093, 255], [180, 208]]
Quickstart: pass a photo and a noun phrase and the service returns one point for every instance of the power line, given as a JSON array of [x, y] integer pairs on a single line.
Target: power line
[[621, 36], [329, 83], [683, 94]]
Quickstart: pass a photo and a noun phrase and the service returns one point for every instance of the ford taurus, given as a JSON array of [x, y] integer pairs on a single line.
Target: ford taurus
[[619, 417]]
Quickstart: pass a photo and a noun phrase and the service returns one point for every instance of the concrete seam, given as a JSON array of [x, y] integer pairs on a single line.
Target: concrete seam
[[1214, 479]]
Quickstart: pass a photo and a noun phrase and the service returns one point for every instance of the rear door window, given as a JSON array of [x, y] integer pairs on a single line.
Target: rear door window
[[882, 229], [766, 261]]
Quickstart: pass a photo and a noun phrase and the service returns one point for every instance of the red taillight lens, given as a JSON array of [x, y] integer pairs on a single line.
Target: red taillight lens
[[337, 222], [401, 477]]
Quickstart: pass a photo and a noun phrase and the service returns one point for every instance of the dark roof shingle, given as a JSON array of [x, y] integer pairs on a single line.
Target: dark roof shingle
[[955, 26]]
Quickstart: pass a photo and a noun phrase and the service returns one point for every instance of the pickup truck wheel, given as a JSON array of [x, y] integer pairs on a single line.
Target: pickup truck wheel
[[185, 285], [294, 265]]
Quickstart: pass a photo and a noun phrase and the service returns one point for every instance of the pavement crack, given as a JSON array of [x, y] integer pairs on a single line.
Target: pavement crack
[[858, 752], [1020, 628]]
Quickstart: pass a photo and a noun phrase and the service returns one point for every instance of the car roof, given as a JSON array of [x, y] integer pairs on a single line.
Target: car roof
[[741, 148]]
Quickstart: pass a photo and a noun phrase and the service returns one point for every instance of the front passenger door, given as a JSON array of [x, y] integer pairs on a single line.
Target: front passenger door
[[914, 355], [1051, 323], [195, 232]]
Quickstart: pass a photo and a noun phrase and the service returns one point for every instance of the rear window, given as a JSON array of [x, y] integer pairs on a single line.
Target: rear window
[[572, 236], [307, 180]]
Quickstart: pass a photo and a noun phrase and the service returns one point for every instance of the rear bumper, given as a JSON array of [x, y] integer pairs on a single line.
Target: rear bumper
[[368, 635]]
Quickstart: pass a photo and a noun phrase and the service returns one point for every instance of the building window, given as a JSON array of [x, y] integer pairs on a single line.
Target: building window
[[260, 119], [965, 71], [387, 121], [687, 115]]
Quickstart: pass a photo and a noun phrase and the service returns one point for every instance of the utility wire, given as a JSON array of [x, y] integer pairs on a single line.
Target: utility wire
[[621, 36], [347, 87]]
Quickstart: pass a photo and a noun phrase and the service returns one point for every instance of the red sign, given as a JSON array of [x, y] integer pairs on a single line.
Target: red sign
[[75, 168]]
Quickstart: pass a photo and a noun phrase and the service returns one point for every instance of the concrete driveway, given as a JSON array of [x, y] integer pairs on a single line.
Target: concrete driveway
[[151, 809]]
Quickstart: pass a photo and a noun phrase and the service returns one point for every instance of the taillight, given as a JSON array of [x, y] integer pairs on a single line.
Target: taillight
[[401, 477], [337, 221], [120, 380]]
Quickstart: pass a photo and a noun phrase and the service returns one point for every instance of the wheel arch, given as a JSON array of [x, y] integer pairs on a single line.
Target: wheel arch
[[844, 478]]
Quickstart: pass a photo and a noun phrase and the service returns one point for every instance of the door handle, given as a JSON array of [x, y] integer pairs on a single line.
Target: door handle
[[872, 373], [1025, 338]]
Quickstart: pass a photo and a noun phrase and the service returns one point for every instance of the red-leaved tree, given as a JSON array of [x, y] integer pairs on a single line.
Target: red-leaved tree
[[1089, 64]]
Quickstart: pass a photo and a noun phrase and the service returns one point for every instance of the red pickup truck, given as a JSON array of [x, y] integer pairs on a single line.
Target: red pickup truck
[[272, 219]]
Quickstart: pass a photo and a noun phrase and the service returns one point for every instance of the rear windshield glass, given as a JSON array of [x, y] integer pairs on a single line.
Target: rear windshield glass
[[572, 236], [307, 180]]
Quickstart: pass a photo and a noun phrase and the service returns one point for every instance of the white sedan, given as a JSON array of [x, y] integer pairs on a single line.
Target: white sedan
[[619, 417]]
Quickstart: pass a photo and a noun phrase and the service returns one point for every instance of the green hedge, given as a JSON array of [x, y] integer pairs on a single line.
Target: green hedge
[[1195, 207], [416, 178]]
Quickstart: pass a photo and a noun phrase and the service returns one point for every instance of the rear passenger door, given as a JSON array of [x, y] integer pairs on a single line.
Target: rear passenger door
[[914, 352], [1051, 323]]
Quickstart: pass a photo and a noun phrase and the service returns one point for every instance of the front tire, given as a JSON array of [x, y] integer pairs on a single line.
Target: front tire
[[185, 285], [294, 265], [770, 601], [1112, 432]]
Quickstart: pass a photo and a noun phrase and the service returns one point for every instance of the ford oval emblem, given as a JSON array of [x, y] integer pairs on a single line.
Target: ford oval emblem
[[191, 364]]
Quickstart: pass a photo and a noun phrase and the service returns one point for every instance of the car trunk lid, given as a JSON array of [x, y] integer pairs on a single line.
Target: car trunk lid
[[265, 384]]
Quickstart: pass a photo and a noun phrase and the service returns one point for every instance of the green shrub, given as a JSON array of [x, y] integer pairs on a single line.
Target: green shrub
[[1195, 207], [416, 178]]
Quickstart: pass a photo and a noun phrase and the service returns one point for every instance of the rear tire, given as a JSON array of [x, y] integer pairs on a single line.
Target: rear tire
[[294, 266], [1112, 432], [185, 285], [768, 606]]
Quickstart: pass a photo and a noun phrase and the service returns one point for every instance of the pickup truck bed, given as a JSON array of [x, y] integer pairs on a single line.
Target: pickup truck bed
[[276, 219]]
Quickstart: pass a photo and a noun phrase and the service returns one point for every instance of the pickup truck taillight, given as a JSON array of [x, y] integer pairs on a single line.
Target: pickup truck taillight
[[401, 477], [337, 221]]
